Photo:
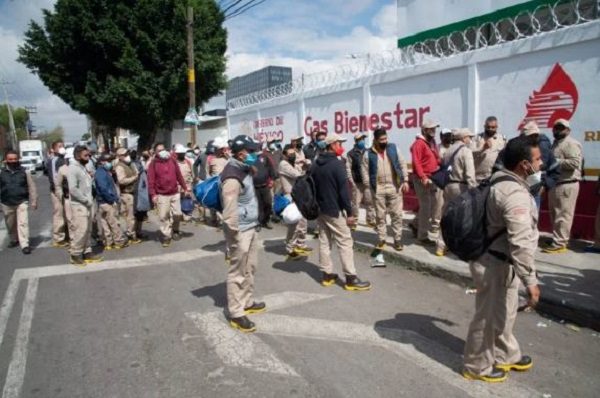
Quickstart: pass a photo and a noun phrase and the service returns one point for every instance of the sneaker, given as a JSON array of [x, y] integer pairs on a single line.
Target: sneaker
[[380, 244], [92, 258], [166, 242], [134, 241], [296, 254], [371, 224], [592, 249], [497, 376], [176, 235], [267, 226], [59, 244], [243, 324], [398, 246], [554, 249], [329, 279], [119, 246], [440, 252], [78, 261], [304, 249], [26, 250], [256, 308], [524, 364], [355, 284], [13, 243], [108, 248]]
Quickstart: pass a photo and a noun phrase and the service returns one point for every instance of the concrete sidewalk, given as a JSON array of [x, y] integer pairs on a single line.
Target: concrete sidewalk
[[570, 282]]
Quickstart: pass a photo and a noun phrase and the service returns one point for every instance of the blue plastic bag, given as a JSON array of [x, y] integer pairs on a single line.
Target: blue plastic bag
[[187, 205], [280, 202], [208, 193]]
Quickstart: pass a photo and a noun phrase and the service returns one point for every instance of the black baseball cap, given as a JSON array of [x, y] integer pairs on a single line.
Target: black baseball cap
[[243, 142]]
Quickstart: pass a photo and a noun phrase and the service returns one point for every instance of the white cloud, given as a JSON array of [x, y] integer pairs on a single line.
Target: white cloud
[[299, 37], [25, 88]]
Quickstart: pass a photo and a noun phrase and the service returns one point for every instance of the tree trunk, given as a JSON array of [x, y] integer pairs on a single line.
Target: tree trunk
[[146, 140]]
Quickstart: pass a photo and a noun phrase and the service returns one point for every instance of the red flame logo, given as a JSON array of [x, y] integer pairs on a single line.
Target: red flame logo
[[557, 99]]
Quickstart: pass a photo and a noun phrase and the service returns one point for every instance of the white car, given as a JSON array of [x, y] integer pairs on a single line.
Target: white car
[[29, 165]]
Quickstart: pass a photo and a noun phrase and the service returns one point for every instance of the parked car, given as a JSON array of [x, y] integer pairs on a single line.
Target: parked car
[[29, 165]]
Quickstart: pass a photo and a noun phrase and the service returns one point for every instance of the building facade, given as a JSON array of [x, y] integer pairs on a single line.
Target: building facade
[[261, 79]]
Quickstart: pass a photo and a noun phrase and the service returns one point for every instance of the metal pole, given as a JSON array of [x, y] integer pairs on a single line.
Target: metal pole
[[191, 69]]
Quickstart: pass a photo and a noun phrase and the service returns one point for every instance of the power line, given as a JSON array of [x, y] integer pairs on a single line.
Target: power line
[[234, 8]]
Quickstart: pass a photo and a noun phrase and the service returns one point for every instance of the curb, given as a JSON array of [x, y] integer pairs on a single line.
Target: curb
[[550, 302]]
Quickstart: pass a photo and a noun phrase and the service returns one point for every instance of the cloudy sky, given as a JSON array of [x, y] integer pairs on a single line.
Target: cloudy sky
[[308, 35]]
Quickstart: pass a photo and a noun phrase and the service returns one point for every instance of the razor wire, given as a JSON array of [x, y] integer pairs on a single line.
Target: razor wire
[[545, 18]]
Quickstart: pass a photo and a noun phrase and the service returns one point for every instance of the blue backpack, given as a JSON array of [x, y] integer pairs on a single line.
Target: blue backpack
[[208, 193], [280, 202]]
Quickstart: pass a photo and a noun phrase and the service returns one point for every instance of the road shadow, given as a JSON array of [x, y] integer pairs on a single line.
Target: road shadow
[[422, 332], [299, 267], [572, 297], [275, 246], [218, 293], [215, 247]]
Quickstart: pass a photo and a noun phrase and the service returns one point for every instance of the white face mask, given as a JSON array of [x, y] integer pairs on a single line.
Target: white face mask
[[163, 154], [127, 159], [62, 151], [534, 179]]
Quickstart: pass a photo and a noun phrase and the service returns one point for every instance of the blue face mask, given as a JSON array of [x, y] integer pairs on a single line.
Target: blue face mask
[[251, 159], [108, 166], [361, 145], [321, 144]]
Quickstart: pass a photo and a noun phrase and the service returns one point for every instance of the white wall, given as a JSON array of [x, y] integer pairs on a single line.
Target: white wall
[[459, 91]]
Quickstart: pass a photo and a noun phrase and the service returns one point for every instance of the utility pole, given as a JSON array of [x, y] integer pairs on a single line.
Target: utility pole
[[191, 69], [11, 122]]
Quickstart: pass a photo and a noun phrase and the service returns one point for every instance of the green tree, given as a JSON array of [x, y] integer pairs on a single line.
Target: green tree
[[56, 134], [20, 117], [86, 136], [123, 62]]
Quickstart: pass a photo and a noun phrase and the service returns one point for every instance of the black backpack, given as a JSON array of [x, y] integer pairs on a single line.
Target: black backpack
[[464, 223], [304, 196], [441, 177]]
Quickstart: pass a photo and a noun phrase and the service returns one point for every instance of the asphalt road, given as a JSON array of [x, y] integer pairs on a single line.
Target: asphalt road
[[148, 322]]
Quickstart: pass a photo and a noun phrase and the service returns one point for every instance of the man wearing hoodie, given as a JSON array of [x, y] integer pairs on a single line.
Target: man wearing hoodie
[[164, 182], [426, 161], [240, 223], [107, 198], [333, 197]]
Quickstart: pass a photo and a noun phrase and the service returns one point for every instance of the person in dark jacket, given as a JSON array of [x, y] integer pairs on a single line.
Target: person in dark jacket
[[107, 198], [333, 198], [315, 146], [263, 180], [361, 192], [17, 194]]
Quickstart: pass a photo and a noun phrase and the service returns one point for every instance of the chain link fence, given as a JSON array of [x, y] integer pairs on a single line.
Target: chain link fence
[[548, 17]]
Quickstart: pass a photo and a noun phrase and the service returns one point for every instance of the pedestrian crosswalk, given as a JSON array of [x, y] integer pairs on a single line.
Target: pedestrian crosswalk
[[250, 351]]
